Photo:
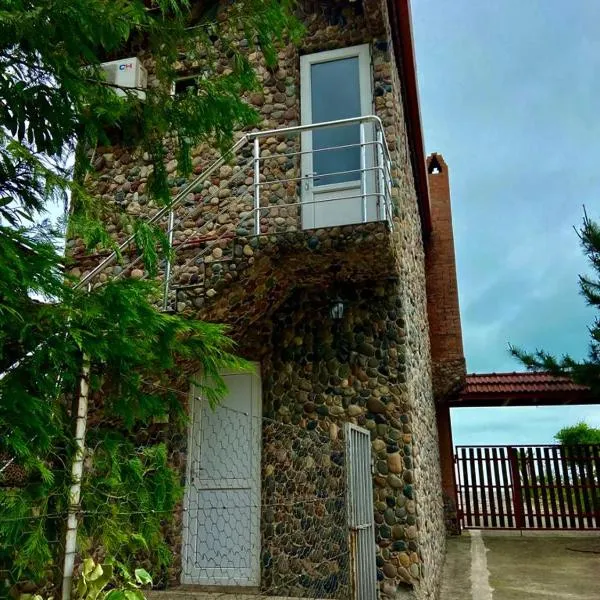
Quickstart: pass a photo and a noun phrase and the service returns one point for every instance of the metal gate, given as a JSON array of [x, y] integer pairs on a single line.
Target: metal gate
[[360, 513], [528, 487]]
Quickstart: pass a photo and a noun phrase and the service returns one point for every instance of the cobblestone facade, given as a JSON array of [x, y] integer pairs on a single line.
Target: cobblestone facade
[[373, 368], [321, 373]]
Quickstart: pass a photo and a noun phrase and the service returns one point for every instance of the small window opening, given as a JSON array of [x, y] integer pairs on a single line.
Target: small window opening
[[183, 84], [434, 166]]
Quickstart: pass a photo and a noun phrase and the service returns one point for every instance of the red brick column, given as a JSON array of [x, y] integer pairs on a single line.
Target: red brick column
[[442, 289], [447, 467], [445, 333]]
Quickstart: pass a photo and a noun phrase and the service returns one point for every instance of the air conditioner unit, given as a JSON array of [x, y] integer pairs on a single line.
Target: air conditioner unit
[[126, 73]]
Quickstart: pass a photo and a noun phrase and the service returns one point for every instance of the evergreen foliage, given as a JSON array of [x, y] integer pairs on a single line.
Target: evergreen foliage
[[578, 434], [55, 103], [586, 371]]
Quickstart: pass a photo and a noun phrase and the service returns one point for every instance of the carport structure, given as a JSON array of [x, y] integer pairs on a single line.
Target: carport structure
[[518, 487], [497, 486]]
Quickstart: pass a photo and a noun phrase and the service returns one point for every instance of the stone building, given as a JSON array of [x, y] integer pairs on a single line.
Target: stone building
[[324, 251]]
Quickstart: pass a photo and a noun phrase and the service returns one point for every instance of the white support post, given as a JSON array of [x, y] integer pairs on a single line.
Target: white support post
[[389, 187], [76, 475], [256, 186], [363, 171], [170, 235], [382, 199]]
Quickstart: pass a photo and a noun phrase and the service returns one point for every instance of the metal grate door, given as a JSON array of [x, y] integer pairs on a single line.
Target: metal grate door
[[360, 513]]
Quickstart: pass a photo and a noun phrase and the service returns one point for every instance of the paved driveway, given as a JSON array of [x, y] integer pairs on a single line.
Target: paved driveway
[[495, 566]]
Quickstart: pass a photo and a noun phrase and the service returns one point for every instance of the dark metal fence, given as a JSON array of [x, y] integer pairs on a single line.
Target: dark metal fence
[[528, 487]]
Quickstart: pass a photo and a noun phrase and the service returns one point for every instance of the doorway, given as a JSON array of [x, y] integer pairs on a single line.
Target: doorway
[[221, 525], [337, 185]]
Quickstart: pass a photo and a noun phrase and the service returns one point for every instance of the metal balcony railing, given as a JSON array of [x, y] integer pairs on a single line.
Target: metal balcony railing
[[355, 180], [282, 180]]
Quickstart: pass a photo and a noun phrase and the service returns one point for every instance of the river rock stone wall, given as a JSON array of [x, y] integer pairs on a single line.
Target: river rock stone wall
[[304, 531], [429, 521], [321, 373], [373, 368]]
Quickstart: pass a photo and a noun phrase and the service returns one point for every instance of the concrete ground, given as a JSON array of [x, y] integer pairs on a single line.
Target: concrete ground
[[501, 566]]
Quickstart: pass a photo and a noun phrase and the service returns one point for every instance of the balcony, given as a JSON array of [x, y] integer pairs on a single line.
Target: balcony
[[323, 175], [298, 206]]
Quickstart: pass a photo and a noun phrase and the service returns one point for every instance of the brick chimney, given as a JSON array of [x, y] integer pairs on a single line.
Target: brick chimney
[[445, 331]]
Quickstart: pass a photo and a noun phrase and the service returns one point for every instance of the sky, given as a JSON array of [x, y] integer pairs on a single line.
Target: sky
[[509, 96]]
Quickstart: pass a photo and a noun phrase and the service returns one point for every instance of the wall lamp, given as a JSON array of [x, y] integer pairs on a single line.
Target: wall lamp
[[336, 310]]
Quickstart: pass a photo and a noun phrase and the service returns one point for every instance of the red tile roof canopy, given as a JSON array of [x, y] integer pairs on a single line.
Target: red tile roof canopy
[[520, 389]]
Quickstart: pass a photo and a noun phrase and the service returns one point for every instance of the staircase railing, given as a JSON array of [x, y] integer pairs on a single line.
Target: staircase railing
[[354, 185], [166, 210]]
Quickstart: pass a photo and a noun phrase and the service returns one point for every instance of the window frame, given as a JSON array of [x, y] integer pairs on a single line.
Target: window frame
[[365, 79]]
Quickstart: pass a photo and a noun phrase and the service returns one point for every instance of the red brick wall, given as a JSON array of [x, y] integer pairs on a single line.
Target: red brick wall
[[442, 290]]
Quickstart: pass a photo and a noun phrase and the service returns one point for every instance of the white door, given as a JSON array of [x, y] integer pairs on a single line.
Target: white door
[[336, 84], [221, 525]]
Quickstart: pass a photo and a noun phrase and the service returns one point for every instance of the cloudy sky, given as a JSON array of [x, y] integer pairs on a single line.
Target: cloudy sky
[[509, 95]]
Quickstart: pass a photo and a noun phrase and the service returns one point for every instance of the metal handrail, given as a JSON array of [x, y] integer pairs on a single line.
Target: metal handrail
[[255, 137], [166, 209], [381, 166], [223, 235], [316, 176], [171, 230], [317, 150], [214, 241], [312, 126]]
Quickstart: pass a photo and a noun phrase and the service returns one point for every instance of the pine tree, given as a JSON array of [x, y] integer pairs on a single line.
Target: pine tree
[[56, 104], [586, 371]]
